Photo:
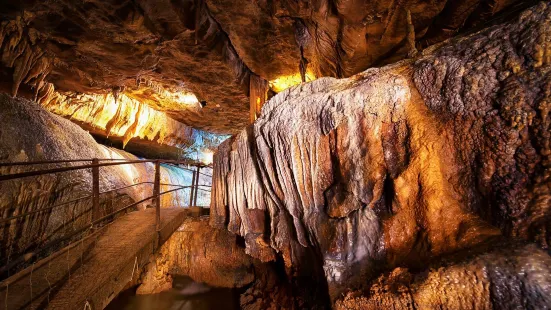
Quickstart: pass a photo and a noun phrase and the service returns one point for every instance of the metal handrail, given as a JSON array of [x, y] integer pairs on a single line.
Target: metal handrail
[[96, 219], [65, 169], [43, 162], [2, 221], [71, 168], [29, 256], [40, 162]]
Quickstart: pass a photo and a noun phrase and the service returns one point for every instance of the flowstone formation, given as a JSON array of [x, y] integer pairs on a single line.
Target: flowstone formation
[[398, 184], [30, 133]]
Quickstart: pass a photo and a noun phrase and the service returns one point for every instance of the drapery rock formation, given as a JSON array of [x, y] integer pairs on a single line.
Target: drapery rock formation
[[443, 156], [30, 133], [125, 119]]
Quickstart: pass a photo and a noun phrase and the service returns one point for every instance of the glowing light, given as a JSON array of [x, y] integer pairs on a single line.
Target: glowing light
[[206, 157], [164, 99], [284, 82], [182, 98], [124, 117]]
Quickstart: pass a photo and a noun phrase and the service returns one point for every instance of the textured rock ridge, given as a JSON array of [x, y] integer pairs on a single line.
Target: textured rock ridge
[[401, 166], [507, 278]]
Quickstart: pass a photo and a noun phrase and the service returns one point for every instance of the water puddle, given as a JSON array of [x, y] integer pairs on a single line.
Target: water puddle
[[184, 295]]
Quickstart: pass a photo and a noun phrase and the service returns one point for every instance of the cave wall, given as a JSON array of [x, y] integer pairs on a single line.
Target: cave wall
[[216, 257], [205, 254], [30, 133], [403, 166], [150, 51]]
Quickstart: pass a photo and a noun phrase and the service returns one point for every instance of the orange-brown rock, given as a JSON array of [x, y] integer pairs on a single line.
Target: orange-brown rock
[[205, 254], [501, 279], [400, 166], [154, 50], [217, 258]]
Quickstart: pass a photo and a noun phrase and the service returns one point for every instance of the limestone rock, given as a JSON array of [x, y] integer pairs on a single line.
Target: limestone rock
[[205, 254], [146, 48], [398, 166], [502, 279]]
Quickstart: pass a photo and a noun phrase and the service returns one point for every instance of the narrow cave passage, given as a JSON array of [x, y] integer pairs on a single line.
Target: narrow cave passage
[[223, 154]]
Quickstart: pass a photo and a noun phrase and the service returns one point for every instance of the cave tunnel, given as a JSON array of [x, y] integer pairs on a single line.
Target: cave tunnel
[[310, 154]]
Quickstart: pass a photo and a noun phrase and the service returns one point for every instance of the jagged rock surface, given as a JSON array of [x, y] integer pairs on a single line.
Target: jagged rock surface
[[211, 48], [506, 278], [400, 166]]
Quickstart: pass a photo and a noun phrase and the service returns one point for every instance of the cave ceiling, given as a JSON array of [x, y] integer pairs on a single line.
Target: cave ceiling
[[165, 51]]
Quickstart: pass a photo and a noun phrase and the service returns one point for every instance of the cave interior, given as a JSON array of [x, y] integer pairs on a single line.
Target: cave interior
[[261, 154]]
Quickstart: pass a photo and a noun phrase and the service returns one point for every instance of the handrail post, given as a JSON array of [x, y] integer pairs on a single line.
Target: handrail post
[[95, 190], [157, 195], [191, 189], [196, 186]]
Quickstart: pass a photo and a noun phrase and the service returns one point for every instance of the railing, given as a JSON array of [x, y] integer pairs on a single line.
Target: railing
[[96, 218]]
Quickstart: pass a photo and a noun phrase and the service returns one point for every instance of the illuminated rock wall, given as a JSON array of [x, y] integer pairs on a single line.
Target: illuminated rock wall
[[30, 133], [122, 116], [409, 165], [217, 258], [207, 255]]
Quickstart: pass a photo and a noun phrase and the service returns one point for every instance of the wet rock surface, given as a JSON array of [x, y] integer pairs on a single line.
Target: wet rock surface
[[403, 167], [217, 258]]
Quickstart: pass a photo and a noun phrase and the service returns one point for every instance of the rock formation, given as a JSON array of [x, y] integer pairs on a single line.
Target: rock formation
[[422, 184], [216, 257], [506, 278], [205, 254], [359, 184], [30, 133], [153, 50]]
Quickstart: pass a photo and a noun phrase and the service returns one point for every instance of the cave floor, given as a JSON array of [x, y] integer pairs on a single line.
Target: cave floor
[[96, 271]]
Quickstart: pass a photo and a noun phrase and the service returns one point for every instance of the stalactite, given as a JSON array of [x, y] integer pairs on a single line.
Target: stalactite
[[19, 51], [115, 118], [257, 95], [410, 36], [131, 131], [126, 118]]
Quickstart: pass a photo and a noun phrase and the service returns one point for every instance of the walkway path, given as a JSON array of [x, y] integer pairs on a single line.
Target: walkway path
[[95, 270]]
